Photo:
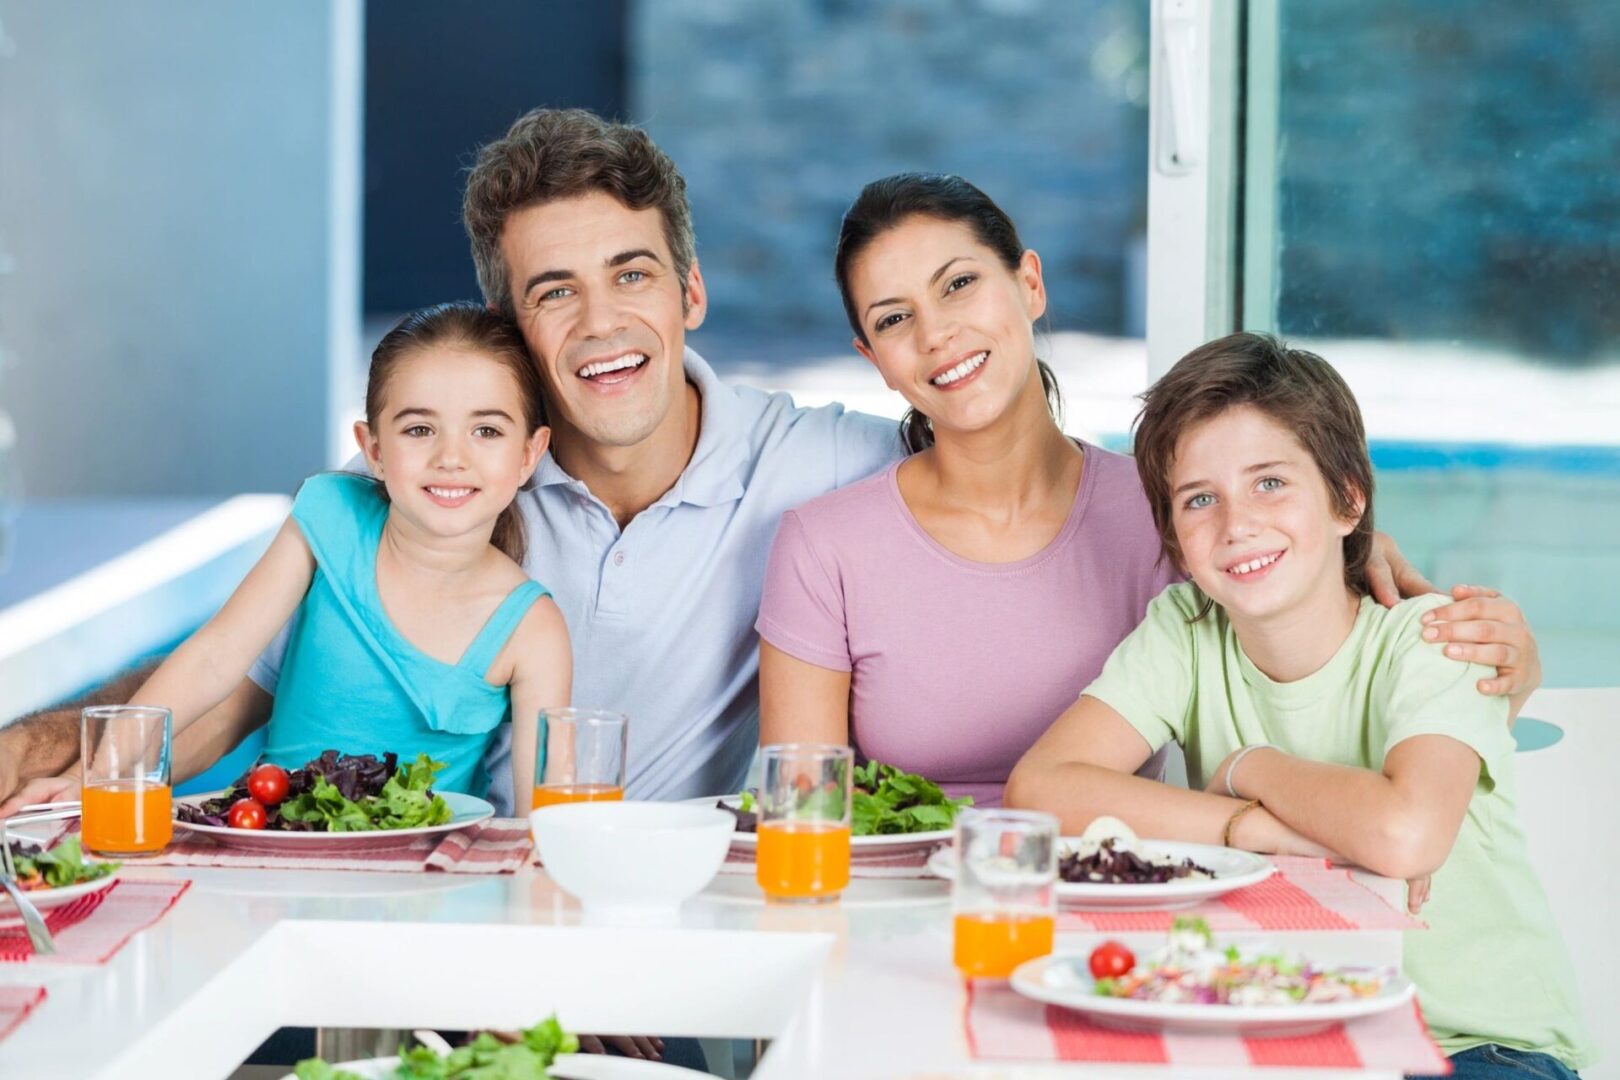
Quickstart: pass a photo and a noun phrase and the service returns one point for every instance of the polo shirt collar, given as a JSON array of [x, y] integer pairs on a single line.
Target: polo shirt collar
[[715, 473]]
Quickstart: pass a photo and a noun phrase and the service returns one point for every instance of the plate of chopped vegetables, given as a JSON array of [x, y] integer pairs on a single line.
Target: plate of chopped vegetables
[[891, 811], [1191, 985], [1107, 867], [334, 803], [54, 877], [546, 1052]]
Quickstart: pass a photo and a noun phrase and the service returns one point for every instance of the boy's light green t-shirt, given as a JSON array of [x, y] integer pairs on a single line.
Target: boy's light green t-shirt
[[1491, 967]]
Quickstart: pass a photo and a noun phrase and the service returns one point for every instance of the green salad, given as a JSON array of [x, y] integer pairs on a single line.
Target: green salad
[[485, 1058], [61, 866], [889, 801]]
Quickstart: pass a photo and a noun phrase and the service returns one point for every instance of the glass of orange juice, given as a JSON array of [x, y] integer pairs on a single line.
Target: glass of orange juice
[[1003, 899], [580, 756], [802, 856], [127, 807]]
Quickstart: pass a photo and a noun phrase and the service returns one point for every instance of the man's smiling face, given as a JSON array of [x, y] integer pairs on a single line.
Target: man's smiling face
[[595, 291]]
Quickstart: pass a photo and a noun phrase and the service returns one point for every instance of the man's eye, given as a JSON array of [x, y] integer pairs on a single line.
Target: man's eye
[[554, 294], [630, 277], [961, 281], [1198, 502]]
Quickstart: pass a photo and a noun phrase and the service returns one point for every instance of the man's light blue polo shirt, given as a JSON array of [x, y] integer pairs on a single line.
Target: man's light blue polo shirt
[[661, 614]]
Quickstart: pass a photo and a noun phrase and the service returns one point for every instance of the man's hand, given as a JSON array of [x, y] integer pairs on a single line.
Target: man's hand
[[1484, 627], [44, 789], [630, 1046], [8, 778]]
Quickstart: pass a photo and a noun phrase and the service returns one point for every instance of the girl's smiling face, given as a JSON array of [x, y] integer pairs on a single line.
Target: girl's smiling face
[[451, 442], [947, 324], [1254, 517]]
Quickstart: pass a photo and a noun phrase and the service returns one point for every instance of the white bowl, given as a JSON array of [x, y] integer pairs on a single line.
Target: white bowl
[[631, 860]]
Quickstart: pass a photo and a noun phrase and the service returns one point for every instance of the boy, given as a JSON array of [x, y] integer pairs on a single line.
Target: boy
[[1315, 720]]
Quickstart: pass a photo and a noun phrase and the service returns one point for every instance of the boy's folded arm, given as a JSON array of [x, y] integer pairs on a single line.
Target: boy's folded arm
[[1400, 823], [210, 665]]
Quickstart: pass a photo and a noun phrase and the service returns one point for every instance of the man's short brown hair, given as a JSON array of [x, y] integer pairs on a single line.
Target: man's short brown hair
[[1297, 389], [560, 154]]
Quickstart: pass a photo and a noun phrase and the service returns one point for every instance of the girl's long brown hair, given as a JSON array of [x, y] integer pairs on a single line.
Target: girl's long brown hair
[[464, 324]]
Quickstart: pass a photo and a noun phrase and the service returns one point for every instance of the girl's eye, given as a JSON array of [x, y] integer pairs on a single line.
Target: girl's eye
[[1201, 500], [417, 431], [484, 431], [961, 281], [889, 320], [1270, 483]]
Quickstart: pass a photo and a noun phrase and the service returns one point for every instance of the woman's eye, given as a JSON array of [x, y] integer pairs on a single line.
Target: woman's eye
[[1270, 483], [1198, 502], [961, 281], [889, 320]]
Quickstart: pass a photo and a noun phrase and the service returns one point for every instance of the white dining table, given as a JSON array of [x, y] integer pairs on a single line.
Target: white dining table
[[862, 988]]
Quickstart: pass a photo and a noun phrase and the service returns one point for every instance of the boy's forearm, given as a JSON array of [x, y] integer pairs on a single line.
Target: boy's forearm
[[1079, 793], [1358, 813]]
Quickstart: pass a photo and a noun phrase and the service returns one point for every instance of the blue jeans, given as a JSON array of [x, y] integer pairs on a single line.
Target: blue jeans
[[1492, 1062]]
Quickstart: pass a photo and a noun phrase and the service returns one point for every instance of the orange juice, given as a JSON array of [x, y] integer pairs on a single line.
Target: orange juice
[[802, 862], [126, 817], [552, 794], [990, 944]]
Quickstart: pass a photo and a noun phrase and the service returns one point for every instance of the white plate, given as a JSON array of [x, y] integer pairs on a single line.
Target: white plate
[[45, 899], [1233, 870], [467, 810], [1065, 979], [566, 1067], [890, 844]]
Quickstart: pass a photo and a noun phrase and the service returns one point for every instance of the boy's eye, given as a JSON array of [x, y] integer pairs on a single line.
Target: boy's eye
[[961, 281], [1201, 500], [1270, 483]]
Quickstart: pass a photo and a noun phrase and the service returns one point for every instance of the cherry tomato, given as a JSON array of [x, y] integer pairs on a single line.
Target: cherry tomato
[[1110, 960], [247, 814], [268, 784]]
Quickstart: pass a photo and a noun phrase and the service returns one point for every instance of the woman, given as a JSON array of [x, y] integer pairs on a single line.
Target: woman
[[941, 614]]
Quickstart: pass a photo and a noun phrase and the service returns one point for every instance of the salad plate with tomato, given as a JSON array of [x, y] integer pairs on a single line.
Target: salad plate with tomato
[[334, 803], [51, 878]]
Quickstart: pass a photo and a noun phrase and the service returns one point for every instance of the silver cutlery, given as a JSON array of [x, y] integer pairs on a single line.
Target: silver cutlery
[[38, 936]]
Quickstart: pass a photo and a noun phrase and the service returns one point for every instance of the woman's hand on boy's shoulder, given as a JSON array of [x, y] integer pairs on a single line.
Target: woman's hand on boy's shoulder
[[1482, 626], [1391, 575]]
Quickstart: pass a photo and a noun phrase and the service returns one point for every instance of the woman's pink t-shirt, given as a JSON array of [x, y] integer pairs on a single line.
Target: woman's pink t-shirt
[[957, 667]]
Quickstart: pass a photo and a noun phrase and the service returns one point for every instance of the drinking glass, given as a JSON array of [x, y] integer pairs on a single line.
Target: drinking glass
[[1003, 899], [580, 756], [802, 855], [127, 806]]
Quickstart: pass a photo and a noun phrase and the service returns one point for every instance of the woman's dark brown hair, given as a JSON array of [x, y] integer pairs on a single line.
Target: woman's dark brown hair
[[463, 324], [884, 204], [1297, 389]]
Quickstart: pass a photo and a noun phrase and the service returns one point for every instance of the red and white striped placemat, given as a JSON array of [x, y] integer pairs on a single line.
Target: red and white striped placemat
[[91, 929], [16, 1002], [881, 862], [495, 846], [1304, 894], [1003, 1025]]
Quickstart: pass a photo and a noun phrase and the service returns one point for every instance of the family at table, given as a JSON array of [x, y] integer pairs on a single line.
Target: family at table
[[564, 503]]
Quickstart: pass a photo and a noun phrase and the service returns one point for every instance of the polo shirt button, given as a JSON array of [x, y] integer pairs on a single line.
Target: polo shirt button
[[618, 558]]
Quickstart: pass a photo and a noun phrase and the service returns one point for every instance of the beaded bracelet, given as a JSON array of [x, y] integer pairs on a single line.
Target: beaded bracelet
[[1226, 837]]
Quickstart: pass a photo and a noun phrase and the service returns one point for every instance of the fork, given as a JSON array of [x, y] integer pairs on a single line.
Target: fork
[[38, 936]]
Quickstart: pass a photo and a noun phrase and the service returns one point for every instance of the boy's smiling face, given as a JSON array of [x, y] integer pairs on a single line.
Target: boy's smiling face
[[1254, 517]]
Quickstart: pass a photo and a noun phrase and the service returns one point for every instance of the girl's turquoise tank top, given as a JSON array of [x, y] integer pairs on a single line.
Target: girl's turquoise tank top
[[351, 682]]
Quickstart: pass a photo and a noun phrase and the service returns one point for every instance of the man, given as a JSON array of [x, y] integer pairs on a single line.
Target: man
[[651, 516]]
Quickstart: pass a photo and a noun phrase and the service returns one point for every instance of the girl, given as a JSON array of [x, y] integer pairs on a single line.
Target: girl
[[414, 628], [940, 614], [1308, 711]]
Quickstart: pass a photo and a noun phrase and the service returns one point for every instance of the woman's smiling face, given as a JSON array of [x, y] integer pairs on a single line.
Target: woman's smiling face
[[947, 324]]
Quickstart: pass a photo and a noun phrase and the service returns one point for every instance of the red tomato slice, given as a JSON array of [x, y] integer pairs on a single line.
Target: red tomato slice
[[247, 814], [1110, 960]]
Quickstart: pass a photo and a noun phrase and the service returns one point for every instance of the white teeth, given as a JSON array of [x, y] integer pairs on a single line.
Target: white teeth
[[961, 370], [1254, 564], [449, 493], [629, 360]]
